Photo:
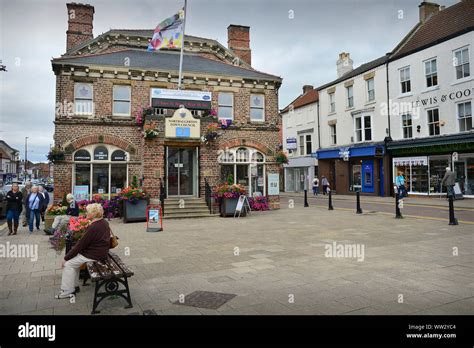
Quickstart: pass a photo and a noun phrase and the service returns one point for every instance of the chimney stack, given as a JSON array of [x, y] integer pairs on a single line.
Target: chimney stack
[[427, 10], [238, 41], [307, 88], [80, 18], [344, 64]]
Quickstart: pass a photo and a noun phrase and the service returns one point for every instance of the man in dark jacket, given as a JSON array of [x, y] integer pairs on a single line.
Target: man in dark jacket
[[45, 202], [14, 207], [449, 180], [25, 192]]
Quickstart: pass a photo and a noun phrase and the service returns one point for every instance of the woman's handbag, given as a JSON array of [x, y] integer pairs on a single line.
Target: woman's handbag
[[113, 240]]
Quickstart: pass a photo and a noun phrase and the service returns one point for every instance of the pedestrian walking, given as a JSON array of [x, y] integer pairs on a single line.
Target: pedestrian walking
[[14, 208], [24, 214], [35, 202], [45, 195], [400, 183], [449, 180], [315, 186], [325, 183]]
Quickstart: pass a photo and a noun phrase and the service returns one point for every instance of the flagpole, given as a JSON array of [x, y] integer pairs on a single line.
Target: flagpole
[[182, 46]]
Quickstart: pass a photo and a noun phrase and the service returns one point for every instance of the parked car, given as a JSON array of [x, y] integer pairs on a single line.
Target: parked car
[[3, 204]]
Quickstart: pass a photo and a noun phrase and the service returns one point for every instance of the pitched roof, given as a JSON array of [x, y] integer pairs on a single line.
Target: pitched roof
[[164, 61], [449, 22], [310, 97], [357, 71]]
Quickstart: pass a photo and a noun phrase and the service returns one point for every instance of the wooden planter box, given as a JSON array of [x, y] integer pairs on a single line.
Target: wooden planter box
[[48, 221], [228, 206], [135, 212]]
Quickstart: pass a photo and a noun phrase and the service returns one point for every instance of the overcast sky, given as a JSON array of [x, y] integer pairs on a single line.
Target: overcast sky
[[298, 40]]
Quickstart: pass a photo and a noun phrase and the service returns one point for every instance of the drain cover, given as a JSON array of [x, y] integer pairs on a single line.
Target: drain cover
[[206, 299]]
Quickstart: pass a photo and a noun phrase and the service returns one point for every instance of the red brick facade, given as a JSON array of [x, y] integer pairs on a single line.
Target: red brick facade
[[147, 157]]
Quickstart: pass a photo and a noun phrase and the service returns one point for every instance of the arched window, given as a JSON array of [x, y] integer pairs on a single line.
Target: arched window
[[82, 155], [101, 174], [246, 167], [101, 153]]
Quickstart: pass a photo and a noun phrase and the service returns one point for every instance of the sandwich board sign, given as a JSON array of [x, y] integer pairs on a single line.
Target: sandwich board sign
[[154, 219], [242, 203]]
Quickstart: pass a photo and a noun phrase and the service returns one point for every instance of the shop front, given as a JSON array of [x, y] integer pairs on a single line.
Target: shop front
[[423, 162], [355, 168], [297, 171]]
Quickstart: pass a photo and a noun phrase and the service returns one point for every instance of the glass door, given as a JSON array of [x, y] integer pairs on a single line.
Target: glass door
[[181, 171]]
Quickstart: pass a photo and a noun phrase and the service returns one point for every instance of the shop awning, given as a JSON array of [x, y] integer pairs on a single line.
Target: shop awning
[[431, 145]]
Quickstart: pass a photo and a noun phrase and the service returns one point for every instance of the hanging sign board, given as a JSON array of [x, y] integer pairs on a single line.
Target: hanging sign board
[[173, 98], [182, 125], [291, 144]]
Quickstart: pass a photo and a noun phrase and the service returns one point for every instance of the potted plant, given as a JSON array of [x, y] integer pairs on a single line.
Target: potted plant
[[135, 202], [149, 132], [51, 213], [259, 203], [211, 133], [56, 154], [228, 196], [281, 157], [67, 236]]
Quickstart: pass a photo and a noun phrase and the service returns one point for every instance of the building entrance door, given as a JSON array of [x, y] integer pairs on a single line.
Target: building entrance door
[[181, 171]]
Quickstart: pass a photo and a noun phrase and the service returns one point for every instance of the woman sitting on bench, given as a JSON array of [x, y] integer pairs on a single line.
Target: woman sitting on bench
[[93, 246]]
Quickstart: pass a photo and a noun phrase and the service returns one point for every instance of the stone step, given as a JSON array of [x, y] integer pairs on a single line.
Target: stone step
[[175, 210], [189, 215]]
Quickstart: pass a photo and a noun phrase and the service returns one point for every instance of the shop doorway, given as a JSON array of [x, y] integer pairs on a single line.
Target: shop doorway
[[181, 172]]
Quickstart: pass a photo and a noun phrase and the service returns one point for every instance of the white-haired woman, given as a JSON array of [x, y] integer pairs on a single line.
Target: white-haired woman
[[72, 208], [93, 246]]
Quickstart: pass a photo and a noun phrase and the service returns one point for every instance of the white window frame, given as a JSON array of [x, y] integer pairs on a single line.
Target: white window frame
[[430, 123], [464, 117], [332, 102], [431, 74], [301, 145], [407, 127], [129, 100], [90, 149], [333, 134], [456, 63], [402, 81], [306, 143], [362, 129], [255, 107], [77, 98], [350, 96], [370, 90], [225, 105]]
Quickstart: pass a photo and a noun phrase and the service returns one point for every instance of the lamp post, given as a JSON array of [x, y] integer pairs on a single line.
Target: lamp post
[[26, 158]]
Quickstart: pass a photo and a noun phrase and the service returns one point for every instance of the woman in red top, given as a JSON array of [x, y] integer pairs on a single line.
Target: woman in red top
[[93, 246]]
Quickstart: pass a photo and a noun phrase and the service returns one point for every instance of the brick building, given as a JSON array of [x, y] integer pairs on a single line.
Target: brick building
[[101, 83]]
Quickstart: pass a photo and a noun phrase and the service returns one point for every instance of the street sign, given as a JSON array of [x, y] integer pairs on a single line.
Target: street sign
[[455, 156]]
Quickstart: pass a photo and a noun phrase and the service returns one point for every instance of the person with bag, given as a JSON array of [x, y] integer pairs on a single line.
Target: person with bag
[[93, 246], [14, 208], [35, 202], [315, 186], [25, 191]]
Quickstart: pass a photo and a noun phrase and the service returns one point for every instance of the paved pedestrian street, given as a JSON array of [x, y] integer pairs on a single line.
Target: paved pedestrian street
[[288, 261]]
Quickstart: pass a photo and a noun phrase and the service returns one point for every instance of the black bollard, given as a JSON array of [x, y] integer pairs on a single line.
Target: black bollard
[[358, 209], [306, 198], [398, 213], [452, 219], [330, 207]]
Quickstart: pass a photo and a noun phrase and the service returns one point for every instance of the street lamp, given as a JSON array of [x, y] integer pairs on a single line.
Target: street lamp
[[26, 158]]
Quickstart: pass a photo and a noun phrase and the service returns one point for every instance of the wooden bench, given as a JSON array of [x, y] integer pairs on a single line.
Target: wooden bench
[[108, 275]]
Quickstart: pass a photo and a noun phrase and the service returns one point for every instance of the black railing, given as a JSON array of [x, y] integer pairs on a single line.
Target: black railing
[[162, 197], [208, 195]]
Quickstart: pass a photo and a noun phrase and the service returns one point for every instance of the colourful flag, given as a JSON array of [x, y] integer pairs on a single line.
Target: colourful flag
[[169, 33]]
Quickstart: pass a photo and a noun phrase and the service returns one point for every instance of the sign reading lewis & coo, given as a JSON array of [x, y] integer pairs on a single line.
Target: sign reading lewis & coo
[[183, 125], [173, 98]]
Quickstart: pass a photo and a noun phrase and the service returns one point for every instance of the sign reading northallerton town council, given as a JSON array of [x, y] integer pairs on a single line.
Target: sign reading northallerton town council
[[174, 98], [182, 125]]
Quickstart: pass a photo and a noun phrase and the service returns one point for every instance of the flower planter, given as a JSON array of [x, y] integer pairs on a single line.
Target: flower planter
[[135, 212], [48, 221], [228, 206]]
